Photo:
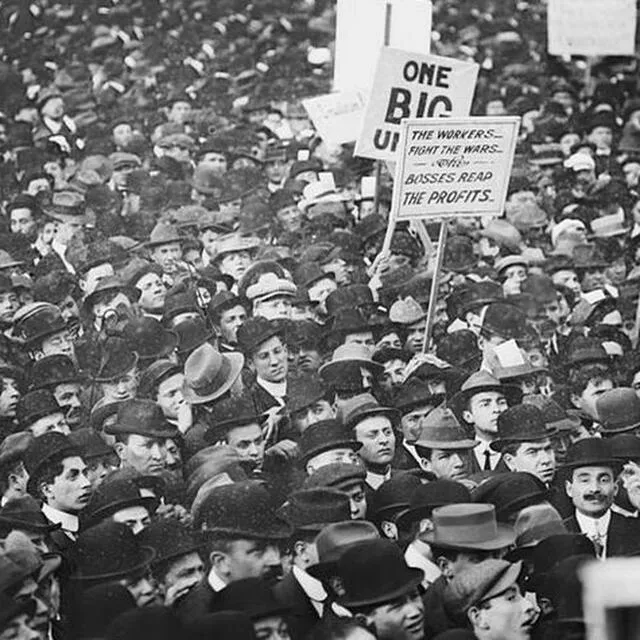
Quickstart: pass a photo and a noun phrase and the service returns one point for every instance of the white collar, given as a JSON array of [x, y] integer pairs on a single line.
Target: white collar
[[594, 526], [411, 448], [374, 480], [215, 581], [415, 558], [69, 522], [311, 586], [277, 389]]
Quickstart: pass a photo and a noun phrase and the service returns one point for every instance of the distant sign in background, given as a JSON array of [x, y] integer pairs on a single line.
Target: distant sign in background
[[409, 85], [454, 167], [337, 116], [592, 27]]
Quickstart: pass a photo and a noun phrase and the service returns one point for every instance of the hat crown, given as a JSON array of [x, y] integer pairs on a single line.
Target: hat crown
[[522, 422], [47, 447], [465, 524], [438, 493], [323, 436], [479, 380], [143, 417], [618, 409], [406, 311], [361, 406], [590, 452], [394, 493], [413, 393], [52, 370], [36, 404], [255, 331], [164, 233], [316, 506], [269, 284], [335, 538]]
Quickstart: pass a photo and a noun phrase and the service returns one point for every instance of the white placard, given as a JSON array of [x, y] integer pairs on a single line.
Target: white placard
[[337, 116]]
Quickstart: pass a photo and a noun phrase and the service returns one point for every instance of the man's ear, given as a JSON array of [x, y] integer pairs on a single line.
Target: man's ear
[[575, 400], [120, 449], [219, 562], [467, 416], [567, 487], [508, 459], [474, 614], [389, 529], [444, 565]]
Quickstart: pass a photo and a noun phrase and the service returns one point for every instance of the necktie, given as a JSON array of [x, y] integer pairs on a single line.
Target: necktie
[[598, 539], [487, 460]]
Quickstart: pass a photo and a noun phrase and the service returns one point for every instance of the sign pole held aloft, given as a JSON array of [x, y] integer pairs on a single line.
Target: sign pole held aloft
[[433, 296]]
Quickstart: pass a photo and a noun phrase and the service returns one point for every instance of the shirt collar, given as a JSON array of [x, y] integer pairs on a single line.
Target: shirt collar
[[594, 525], [215, 581], [415, 558], [374, 480], [310, 585], [276, 389], [69, 522]]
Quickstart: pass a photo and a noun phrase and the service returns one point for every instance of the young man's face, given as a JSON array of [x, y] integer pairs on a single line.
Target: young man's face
[[271, 628], [592, 490], [319, 292], [153, 292], [568, 278], [316, 412], [167, 256], [216, 161], [484, 409], [290, 218], [378, 440], [235, 264], [180, 112], [537, 458], [9, 396], [586, 401], [343, 455], [400, 619], [58, 343], [183, 574], [70, 491], [357, 501], [253, 559], [135, 517], [277, 308], [412, 422], [65, 230], [451, 464], [270, 360], [249, 443], [23, 222], [393, 375], [364, 338], [230, 321], [9, 304], [169, 396], [122, 135], [146, 455], [123, 388], [209, 239], [602, 137]]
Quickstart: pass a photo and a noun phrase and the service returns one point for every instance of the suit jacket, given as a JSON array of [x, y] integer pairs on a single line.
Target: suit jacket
[[623, 535], [403, 460], [303, 616], [501, 467], [198, 602]]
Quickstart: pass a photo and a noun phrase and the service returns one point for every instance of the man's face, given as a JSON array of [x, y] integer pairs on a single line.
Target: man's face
[[508, 616], [364, 338], [22, 222], [69, 310], [602, 137], [70, 491], [400, 619], [290, 218], [122, 135], [230, 321], [65, 230], [68, 397], [451, 464], [393, 375], [54, 422], [93, 276], [141, 588], [277, 308], [180, 112], [316, 412], [276, 170], [484, 409], [537, 458], [123, 388], [167, 256], [378, 440], [173, 460], [9, 304], [357, 501], [592, 490], [631, 172], [271, 628], [9, 397], [270, 360], [249, 443], [183, 573], [567, 278], [593, 279], [152, 292], [146, 455], [235, 264], [319, 292], [58, 343], [136, 518], [253, 559], [53, 108], [209, 239], [217, 162], [557, 311], [99, 468], [586, 401], [169, 396], [415, 337], [344, 455], [412, 422]]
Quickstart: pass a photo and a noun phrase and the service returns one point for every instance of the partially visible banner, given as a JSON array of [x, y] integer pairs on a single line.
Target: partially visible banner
[[337, 116]]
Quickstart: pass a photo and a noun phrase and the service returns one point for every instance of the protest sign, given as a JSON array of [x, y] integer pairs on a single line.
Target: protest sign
[[337, 116], [407, 85], [363, 27], [452, 167], [591, 27]]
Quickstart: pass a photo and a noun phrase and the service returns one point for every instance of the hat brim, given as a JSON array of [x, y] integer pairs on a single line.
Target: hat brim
[[23, 525], [512, 393], [329, 369], [505, 538], [500, 443], [615, 463], [447, 446], [613, 431], [131, 363], [148, 503], [392, 414], [414, 578], [237, 362], [340, 444], [275, 531], [148, 554]]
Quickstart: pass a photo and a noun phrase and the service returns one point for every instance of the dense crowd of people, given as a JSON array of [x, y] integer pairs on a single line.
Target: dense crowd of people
[[222, 415]]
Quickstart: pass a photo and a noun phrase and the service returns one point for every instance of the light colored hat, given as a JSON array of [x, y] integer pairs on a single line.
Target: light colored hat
[[269, 286], [349, 353], [580, 162], [568, 224], [233, 242], [316, 192], [407, 311], [609, 226], [509, 261]]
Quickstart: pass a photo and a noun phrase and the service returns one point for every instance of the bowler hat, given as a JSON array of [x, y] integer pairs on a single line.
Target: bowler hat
[[469, 526], [365, 406], [555, 417], [591, 452], [352, 296], [225, 300], [144, 418], [313, 509], [480, 583], [256, 331], [154, 374], [305, 390], [553, 549], [53, 370], [325, 436], [413, 394], [209, 374], [148, 338], [587, 354], [90, 444], [391, 498], [441, 430], [192, 333], [110, 497], [427, 497], [480, 382], [24, 513], [168, 538], [347, 354], [588, 256], [460, 349], [35, 405], [109, 551], [242, 509], [308, 273], [235, 411], [368, 582], [43, 450], [477, 295], [13, 448], [337, 475], [541, 287], [109, 285], [504, 320], [116, 359], [252, 596], [521, 423], [510, 492], [38, 320], [618, 411], [348, 320], [625, 447]]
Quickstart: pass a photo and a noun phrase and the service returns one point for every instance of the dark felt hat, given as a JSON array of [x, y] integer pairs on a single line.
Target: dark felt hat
[[365, 406], [625, 447], [256, 331], [42, 450], [369, 583], [460, 349], [591, 452], [313, 509], [555, 416], [116, 359], [392, 496], [242, 509], [13, 448], [521, 423], [504, 320], [24, 513], [53, 370], [192, 333], [169, 539], [90, 444], [235, 411], [305, 390], [349, 320], [459, 254], [588, 256], [109, 285], [154, 374], [142, 417], [148, 338], [476, 295], [252, 596], [324, 436], [35, 405], [225, 300], [110, 497], [309, 273], [154, 621], [618, 411], [412, 394], [351, 296], [587, 354], [338, 475], [109, 551], [38, 321], [426, 497], [510, 492]]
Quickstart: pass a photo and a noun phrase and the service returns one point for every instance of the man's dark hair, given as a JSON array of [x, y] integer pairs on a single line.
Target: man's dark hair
[[579, 378], [47, 474]]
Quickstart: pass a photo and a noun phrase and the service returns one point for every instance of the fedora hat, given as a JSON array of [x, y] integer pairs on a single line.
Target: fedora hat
[[480, 382], [313, 509], [413, 394], [142, 417], [110, 284], [168, 538], [442, 430], [209, 374], [469, 526], [110, 497], [305, 390], [13, 448], [53, 370], [256, 331], [252, 596], [338, 475], [349, 353], [35, 405], [66, 206], [521, 423], [192, 333], [269, 286], [348, 320], [476, 295], [535, 523], [148, 338], [117, 358], [325, 436], [510, 492], [232, 412], [555, 417], [588, 256], [109, 551], [308, 273], [368, 583], [364, 406], [392, 496], [154, 374], [618, 411], [504, 320], [38, 320], [427, 497], [243, 509], [591, 452], [233, 243], [24, 513], [90, 444], [406, 311], [351, 296], [163, 233]]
